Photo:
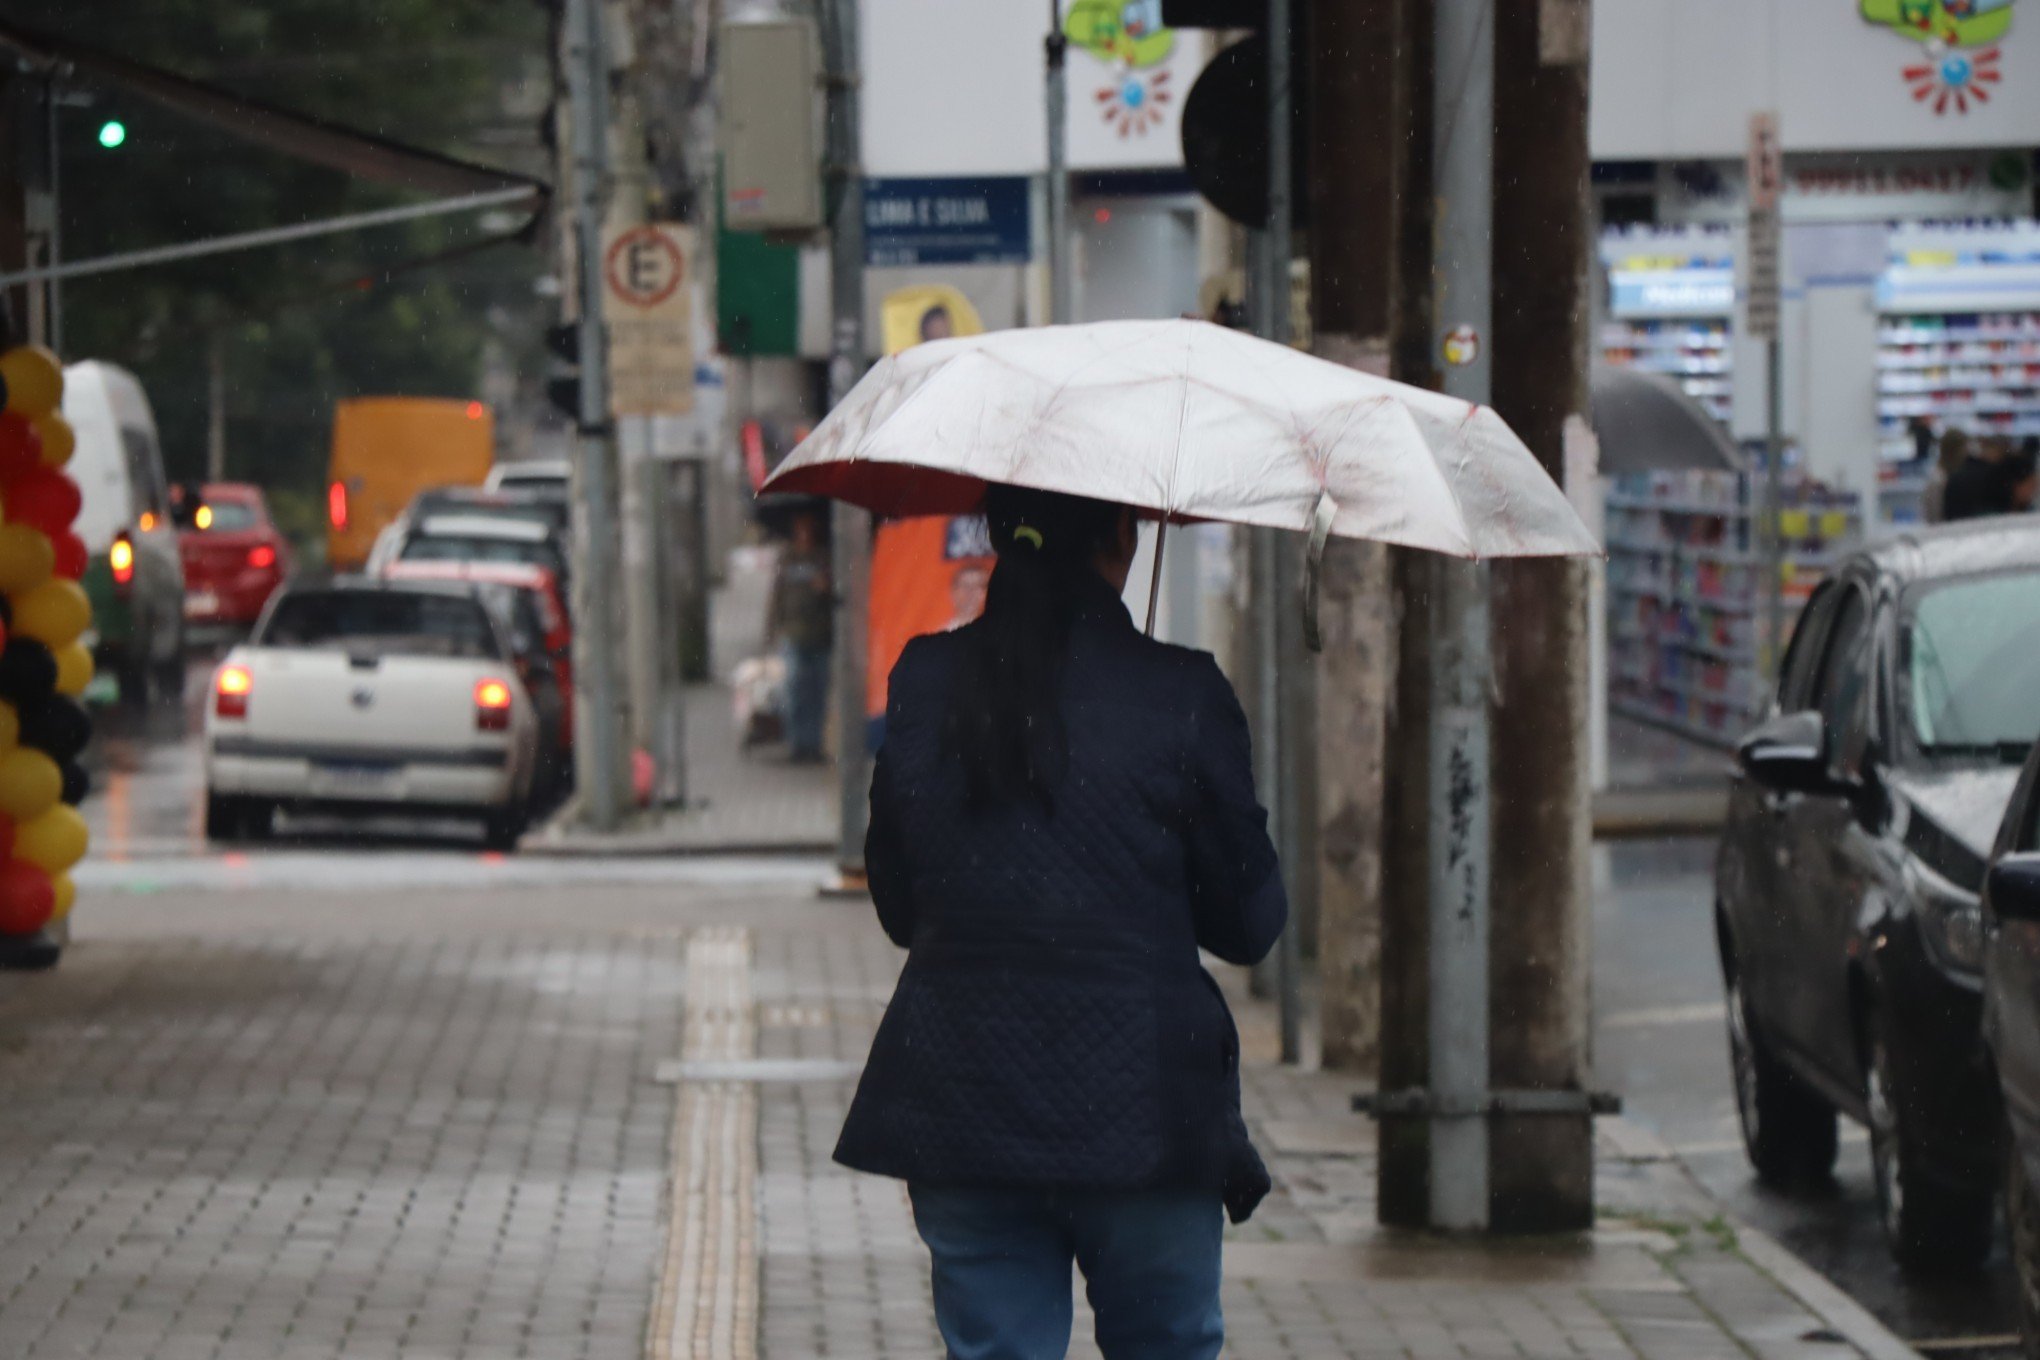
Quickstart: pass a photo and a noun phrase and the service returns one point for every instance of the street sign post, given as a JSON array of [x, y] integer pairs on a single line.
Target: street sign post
[[648, 291], [1765, 169]]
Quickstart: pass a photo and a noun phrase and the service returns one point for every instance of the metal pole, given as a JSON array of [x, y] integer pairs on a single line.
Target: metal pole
[[850, 536], [1283, 669], [215, 407], [599, 748], [1771, 529], [1461, 667], [1061, 287]]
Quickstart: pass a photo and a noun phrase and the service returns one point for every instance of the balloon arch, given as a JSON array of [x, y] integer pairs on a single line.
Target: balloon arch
[[44, 663]]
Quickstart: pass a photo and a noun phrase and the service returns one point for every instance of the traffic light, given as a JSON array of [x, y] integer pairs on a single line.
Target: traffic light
[[563, 379], [112, 133], [1225, 116]]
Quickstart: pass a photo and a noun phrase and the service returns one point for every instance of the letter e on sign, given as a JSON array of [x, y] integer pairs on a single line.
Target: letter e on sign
[[644, 267]]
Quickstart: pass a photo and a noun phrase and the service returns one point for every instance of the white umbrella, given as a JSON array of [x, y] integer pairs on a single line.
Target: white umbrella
[[1189, 421]]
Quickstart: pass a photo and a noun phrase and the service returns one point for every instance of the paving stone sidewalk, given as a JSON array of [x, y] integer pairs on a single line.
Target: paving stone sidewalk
[[429, 1124], [1662, 1277]]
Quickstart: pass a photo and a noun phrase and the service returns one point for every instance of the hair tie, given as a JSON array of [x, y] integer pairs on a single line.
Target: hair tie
[[1027, 533]]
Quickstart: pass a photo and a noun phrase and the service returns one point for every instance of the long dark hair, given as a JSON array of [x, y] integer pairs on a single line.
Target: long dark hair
[[1005, 721]]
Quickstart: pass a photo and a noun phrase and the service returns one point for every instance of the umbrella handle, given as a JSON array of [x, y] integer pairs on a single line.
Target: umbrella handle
[[1313, 566], [1155, 580]]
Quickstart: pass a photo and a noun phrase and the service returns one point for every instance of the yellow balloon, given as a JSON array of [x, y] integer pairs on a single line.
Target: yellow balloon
[[26, 558], [30, 784], [66, 894], [74, 673], [54, 613], [34, 378], [10, 727], [59, 440], [54, 841]]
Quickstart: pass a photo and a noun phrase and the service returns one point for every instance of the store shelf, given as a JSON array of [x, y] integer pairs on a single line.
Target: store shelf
[[1723, 736]]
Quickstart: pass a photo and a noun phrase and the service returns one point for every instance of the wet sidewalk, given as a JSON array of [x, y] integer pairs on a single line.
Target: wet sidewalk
[[588, 1117], [738, 801]]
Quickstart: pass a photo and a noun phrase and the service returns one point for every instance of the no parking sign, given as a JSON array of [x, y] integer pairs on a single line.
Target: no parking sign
[[648, 287]]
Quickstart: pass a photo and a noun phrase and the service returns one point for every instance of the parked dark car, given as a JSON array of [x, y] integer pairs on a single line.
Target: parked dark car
[[1848, 879], [2011, 1027]]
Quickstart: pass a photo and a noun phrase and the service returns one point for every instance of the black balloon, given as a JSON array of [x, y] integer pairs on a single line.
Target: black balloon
[[56, 725], [28, 672], [6, 605], [77, 783]]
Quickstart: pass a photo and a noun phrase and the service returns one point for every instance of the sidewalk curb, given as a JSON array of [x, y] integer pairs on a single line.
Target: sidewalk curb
[[1849, 1319], [597, 847]]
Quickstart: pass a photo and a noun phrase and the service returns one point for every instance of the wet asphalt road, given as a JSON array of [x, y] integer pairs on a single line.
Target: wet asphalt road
[[1659, 1042]]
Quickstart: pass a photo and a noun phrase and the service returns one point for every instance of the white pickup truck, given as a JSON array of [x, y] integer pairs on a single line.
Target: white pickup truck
[[371, 696]]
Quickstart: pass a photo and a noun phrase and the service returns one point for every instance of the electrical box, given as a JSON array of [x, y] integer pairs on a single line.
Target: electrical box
[[771, 125]]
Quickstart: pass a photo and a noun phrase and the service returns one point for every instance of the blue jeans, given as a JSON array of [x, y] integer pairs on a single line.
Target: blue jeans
[[807, 697], [1002, 1271]]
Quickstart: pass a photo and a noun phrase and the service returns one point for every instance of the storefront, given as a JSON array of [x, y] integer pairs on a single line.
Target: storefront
[[1911, 260]]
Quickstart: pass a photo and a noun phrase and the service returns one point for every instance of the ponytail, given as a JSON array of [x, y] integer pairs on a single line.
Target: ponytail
[[1005, 722]]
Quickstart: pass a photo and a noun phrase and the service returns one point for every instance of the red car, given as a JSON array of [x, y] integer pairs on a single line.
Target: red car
[[538, 620], [234, 557]]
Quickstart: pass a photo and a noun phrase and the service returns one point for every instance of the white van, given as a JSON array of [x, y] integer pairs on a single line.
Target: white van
[[133, 573]]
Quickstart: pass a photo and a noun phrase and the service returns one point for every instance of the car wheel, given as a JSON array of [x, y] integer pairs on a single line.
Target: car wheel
[[2022, 1217], [1787, 1128], [1929, 1224], [501, 830], [170, 675]]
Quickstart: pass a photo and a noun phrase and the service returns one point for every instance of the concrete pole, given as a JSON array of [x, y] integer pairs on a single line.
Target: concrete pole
[[1770, 526], [1061, 286], [1355, 83], [1540, 1165], [1460, 661], [600, 767], [851, 530]]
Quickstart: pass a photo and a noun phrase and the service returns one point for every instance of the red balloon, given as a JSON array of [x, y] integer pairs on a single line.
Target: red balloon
[[27, 897], [71, 555], [20, 446], [44, 498]]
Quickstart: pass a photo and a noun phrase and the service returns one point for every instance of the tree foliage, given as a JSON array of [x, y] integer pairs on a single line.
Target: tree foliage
[[304, 324]]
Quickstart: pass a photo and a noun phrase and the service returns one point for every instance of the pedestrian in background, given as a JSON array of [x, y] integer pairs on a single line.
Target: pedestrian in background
[[1978, 486], [1933, 498], [801, 621], [1062, 815]]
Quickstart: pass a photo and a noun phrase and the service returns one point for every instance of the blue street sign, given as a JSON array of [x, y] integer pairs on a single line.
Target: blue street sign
[[946, 221]]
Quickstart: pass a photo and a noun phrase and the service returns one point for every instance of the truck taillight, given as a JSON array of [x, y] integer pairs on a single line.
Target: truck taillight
[[261, 556], [492, 706], [336, 504], [231, 690], [121, 557]]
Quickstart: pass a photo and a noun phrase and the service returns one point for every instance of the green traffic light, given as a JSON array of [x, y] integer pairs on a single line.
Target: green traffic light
[[112, 133]]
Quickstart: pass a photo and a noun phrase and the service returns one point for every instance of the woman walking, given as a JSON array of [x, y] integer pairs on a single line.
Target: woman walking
[[1062, 815]]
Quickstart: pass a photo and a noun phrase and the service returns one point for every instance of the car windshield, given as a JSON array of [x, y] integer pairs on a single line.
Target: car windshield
[[1972, 671], [462, 548], [227, 517], [382, 623]]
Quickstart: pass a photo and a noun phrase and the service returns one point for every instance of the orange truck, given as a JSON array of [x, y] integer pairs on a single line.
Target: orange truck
[[388, 449]]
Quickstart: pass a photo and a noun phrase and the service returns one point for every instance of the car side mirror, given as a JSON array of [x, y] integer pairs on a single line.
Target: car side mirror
[[2014, 887], [1788, 754]]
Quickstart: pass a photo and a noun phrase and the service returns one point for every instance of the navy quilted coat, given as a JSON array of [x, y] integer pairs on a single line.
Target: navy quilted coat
[[1053, 1026]]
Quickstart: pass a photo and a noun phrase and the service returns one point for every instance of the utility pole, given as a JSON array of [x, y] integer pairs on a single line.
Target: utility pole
[[600, 766], [1403, 1170], [216, 406], [1355, 82], [1541, 1134], [850, 538], [1459, 785], [1061, 287]]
